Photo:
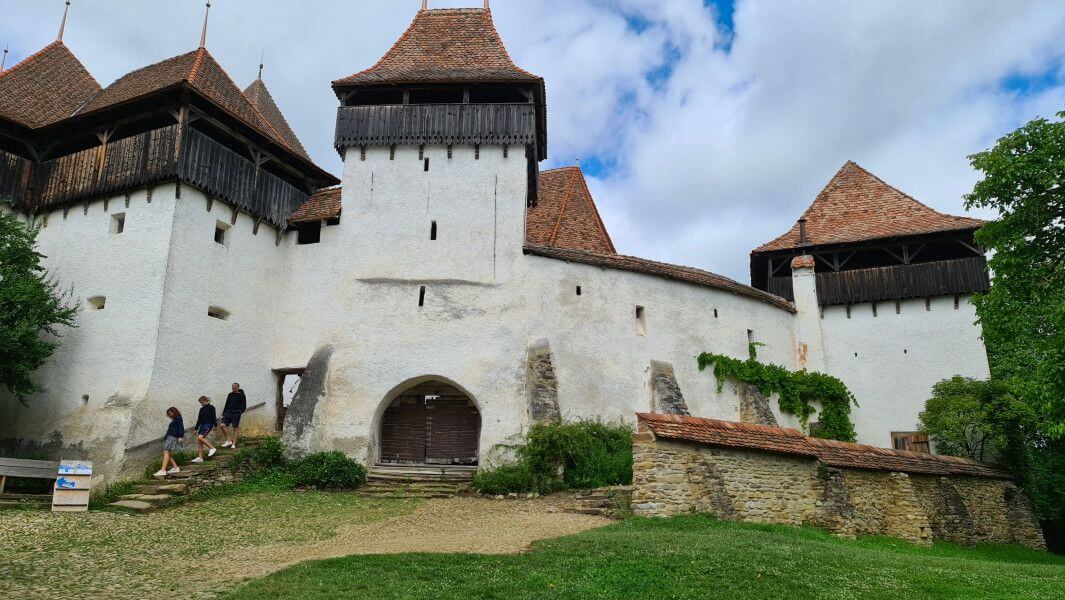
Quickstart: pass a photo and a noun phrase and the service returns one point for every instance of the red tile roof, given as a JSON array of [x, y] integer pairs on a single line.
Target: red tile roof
[[204, 75], [263, 101], [790, 441], [323, 205], [451, 45], [565, 214], [658, 269], [857, 206], [46, 87]]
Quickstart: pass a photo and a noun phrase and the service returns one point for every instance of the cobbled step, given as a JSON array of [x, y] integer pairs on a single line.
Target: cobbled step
[[137, 505]]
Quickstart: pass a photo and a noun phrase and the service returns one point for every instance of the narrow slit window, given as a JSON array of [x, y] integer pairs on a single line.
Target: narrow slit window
[[118, 223], [432, 231], [426, 165], [217, 312], [715, 313], [578, 290], [641, 321], [421, 296], [97, 303]]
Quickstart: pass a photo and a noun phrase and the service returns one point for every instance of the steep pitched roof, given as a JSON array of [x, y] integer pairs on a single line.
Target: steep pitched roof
[[857, 206], [444, 46], [264, 102], [46, 87], [321, 206], [201, 72], [565, 215], [790, 441], [659, 269]]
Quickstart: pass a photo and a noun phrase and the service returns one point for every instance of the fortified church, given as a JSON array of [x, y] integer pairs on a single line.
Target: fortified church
[[445, 293]]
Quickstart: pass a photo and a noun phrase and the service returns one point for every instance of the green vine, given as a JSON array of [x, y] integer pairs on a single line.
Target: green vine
[[796, 391]]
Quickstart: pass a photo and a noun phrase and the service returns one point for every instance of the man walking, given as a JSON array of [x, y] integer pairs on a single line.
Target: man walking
[[236, 404]]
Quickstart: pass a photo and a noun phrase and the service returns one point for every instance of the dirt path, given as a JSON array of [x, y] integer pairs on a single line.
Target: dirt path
[[200, 549], [475, 525]]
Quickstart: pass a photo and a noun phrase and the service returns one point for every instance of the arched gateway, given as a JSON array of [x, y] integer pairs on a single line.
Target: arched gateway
[[431, 423]]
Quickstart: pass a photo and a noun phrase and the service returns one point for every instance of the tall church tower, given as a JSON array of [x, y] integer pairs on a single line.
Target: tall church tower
[[441, 141]]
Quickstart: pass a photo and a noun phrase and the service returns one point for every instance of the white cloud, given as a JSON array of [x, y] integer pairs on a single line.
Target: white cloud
[[721, 154]]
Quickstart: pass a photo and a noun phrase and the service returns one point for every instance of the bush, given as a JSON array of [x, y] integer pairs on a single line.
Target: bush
[[504, 479], [328, 470], [270, 453], [581, 455]]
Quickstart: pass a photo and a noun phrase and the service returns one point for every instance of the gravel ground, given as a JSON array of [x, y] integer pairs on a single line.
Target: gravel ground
[[201, 549]]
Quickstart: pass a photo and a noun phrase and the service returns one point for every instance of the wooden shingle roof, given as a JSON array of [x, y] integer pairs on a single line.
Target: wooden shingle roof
[[453, 45], [790, 441], [858, 206], [565, 214], [45, 87]]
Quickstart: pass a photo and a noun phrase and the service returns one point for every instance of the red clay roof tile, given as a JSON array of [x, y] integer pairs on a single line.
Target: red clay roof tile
[[263, 101], [857, 206], [45, 87], [565, 214], [321, 206], [444, 46], [790, 441]]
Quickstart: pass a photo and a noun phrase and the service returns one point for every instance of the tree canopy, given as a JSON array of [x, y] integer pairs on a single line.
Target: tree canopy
[[1023, 314], [32, 308]]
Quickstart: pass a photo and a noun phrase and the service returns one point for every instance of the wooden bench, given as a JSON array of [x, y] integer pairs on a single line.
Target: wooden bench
[[31, 469]]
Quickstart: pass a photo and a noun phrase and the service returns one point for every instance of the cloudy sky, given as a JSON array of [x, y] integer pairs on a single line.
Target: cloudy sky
[[707, 126]]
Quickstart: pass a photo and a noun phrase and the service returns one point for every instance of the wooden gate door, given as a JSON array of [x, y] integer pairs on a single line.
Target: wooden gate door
[[403, 431], [453, 429]]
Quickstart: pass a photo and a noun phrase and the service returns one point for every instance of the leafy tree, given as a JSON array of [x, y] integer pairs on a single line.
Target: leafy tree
[[981, 420], [1023, 314], [31, 307]]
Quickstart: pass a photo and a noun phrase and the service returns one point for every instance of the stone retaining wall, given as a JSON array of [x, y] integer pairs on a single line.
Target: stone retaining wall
[[673, 477]]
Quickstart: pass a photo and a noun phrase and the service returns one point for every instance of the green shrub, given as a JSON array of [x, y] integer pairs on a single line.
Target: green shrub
[[504, 479], [102, 496], [581, 455], [268, 454], [328, 470]]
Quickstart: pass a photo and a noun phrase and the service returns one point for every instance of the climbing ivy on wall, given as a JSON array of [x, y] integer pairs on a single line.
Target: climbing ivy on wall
[[797, 390]]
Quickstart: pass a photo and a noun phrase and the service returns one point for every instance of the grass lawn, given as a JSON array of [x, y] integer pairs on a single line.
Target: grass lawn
[[683, 557], [188, 551]]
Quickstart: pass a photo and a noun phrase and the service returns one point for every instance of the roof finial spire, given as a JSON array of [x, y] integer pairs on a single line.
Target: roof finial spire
[[425, 4], [261, 55], [3, 61], [203, 35], [63, 24], [486, 7]]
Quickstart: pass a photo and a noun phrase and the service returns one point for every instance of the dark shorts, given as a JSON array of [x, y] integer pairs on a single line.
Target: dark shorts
[[205, 429], [231, 419]]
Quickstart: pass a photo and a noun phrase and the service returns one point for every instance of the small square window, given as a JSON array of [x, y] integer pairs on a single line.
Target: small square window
[[309, 233], [641, 321], [221, 233], [118, 223], [217, 312], [97, 303]]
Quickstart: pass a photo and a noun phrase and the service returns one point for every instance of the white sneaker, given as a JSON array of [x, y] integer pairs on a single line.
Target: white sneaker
[[233, 447], [196, 460], [227, 444], [159, 473], [211, 452], [174, 470]]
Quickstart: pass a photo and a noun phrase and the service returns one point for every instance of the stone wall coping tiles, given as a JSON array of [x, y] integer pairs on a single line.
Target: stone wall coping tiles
[[791, 441]]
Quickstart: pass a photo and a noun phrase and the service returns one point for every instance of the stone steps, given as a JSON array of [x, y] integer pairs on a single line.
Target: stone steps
[[605, 502], [156, 492], [396, 482]]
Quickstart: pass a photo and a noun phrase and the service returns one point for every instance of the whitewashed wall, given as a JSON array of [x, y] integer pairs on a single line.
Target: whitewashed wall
[[891, 361]]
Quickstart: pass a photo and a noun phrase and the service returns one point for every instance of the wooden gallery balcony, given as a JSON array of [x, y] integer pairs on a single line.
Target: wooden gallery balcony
[[961, 276], [444, 124], [156, 156]]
